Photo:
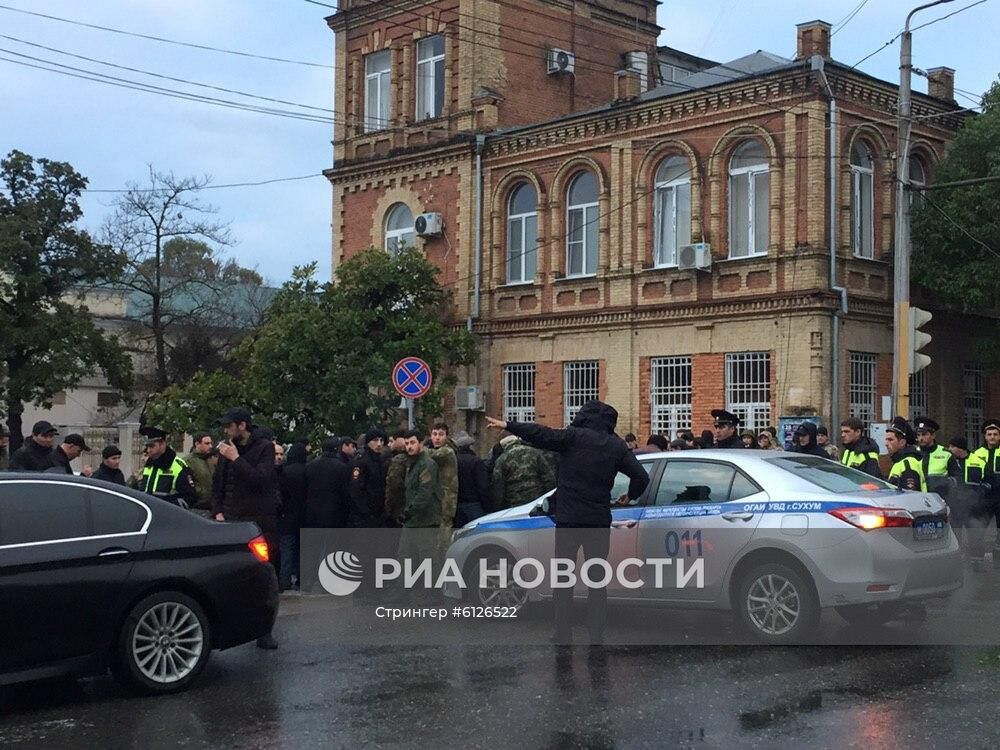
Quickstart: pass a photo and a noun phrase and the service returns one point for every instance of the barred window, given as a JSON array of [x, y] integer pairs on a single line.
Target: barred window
[[974, 395], [748, 388], [862, 388], [918, 393], [580, 385], [670, 395], [519, 393]]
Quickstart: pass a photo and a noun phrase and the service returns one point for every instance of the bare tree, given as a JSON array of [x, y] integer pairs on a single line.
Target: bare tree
[[150, 221]]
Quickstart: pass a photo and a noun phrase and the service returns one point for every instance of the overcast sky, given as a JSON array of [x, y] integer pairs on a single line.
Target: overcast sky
[[109, 134]]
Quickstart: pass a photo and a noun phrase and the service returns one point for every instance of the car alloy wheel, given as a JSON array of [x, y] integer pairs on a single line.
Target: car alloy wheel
[[167, 642], [774, 605], [494, 594]]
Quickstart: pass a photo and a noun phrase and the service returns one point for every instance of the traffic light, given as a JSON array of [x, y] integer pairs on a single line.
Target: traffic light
[[918, 339]]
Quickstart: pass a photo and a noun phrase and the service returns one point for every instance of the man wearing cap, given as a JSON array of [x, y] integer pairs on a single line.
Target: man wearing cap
[[939, 464], [907, 470], [989, 454], [367, 507], [4, 442], [805, 441], [166, 475], [725, 429], [36, 454], [347, 449], [72, 446], [244, 486], [473, 481], [823, 441], [860, 451], [109, 471]]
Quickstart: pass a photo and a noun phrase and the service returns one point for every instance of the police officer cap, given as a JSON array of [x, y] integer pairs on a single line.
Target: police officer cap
[[991, 424], [44, 428], [925, 424], [902, 428], [152, 434], [721, 416]]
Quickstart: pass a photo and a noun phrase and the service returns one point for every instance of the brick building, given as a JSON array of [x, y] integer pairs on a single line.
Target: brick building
[[570, 160]]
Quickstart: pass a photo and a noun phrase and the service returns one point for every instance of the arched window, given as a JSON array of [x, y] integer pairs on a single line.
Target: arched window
[[918, 178], [582, 226], [399, 229], [749, 185], [672, 210], [862, 201], [522, 232]]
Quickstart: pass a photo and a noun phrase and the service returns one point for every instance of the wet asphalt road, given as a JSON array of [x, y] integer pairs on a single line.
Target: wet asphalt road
[[315, 691]]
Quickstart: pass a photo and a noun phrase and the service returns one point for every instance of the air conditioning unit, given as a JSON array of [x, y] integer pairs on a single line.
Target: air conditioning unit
[[429, 225], [695, 257], [560, 61], [469, 398]]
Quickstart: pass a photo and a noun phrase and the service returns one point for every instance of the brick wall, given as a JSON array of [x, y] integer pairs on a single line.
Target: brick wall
[[708, 388], [548, 393], [645, 416]]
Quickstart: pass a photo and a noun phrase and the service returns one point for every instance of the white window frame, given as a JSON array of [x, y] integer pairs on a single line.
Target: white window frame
[[519, 392], [516, 224], [399, 236], [427, 71], [862, 386], [375, 118], [590, 222], [973, 402], [750, 173], [581, 383], [670, 394], [919, 393], [859, 232], [665, 198], [917, 186], [749, 398]]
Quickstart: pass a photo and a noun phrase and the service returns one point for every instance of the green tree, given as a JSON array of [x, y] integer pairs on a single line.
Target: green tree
[[322, 360], [956, 231], [48, 341]]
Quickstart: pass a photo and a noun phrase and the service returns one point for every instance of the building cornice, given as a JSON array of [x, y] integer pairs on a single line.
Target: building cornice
[[393, 163]]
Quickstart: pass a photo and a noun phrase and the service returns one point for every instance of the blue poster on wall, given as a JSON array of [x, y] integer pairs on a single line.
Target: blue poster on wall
[[787, 427]]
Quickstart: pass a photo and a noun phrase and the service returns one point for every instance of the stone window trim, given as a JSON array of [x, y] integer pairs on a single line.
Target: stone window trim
[[645, 189], [863, 168], [673, 189], [497, 243], [521, 226], [883, 193], [559, 215], [749, 177]]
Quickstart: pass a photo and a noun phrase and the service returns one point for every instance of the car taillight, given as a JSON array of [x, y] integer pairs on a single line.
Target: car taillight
[[869, 519], [258, 545]]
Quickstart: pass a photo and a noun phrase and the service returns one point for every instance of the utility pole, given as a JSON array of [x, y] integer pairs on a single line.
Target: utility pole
[[901, 268]]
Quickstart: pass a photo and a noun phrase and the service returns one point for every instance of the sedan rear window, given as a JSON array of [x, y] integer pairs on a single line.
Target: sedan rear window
[[830, 475]]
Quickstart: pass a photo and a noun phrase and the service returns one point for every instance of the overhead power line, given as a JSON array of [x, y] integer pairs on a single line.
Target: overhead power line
[[164, 40], [207, 187], [839, 26]]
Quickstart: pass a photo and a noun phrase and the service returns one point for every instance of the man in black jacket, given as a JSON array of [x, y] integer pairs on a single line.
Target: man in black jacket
[[725, 432], [243, 488], [108, 471], [292, 483], [473, 481], [328, 487], [591, 456], [36, 453], [72, 446], [806, 441], [367, 509], [860, 451]]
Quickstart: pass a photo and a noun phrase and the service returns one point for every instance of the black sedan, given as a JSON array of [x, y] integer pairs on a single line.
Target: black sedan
[[95, 576]]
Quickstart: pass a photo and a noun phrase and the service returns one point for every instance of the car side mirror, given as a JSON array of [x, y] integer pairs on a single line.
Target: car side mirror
[[542, 509]]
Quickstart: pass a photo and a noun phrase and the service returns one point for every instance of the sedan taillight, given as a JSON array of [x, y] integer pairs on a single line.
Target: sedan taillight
[[869, 519], [258, 545]]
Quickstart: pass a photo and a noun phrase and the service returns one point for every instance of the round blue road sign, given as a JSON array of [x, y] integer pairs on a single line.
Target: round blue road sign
[[411, 377]]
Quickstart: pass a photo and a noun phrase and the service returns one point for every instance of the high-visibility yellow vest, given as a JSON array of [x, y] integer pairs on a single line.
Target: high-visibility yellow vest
[[160, 482], [907, 471]]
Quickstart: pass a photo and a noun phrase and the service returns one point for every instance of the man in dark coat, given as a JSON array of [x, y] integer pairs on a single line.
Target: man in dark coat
[[473, 483], [72, 446], [367, 509], [806, 441], [244, 485], [292, 485], [591, 456], [108, 471], [726, 435], [328, 487], [36, 453]]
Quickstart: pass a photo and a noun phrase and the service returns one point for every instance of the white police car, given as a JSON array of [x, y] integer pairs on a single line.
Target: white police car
[[779, 536]]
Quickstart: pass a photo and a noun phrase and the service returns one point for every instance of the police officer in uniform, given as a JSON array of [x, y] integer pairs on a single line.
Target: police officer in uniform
[[726, 435], [907, 470], [969, 512], [860, 452], [989, 454], [165, 474], [939, 464]]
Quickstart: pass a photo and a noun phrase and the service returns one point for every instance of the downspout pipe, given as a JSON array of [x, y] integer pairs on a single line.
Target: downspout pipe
[[818, 66], [477, 250]]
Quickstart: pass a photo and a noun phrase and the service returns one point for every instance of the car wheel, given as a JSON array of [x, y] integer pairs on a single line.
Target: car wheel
[[869, 614], [776, 603], [164, 643], [494, 594]]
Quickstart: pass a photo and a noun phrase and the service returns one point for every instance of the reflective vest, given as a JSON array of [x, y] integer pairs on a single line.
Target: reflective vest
[[160, 482], [857, 460], [908, 474], [990, 458], [936, 461], [973, 468]]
